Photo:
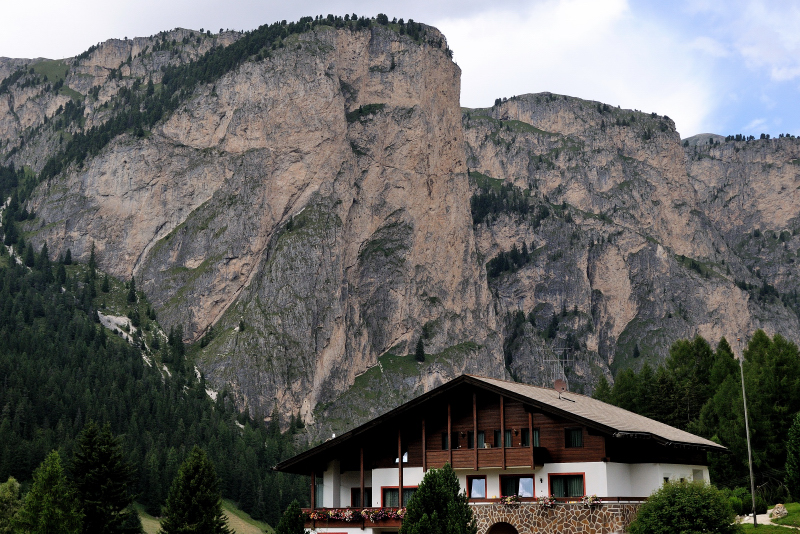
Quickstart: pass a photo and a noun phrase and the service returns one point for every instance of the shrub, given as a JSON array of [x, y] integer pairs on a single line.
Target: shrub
[[438, 506], [685, 507]]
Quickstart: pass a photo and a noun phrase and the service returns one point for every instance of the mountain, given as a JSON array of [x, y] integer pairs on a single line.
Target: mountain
[[307, 200]]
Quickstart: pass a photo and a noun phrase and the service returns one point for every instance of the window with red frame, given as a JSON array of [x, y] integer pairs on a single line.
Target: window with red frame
[[476, 487], [519, 485]]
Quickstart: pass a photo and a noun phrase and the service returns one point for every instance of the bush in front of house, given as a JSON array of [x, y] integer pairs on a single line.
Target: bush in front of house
[[686, 507]]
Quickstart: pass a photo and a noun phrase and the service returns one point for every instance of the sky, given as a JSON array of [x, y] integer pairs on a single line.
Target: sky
[[713, 66]]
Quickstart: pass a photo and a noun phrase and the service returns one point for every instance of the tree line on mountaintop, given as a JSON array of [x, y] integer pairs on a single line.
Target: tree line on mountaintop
[[59, 368], [699, 390]]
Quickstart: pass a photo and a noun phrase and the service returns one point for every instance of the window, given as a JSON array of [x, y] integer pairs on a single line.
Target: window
[[470, 439], [509, 440], [405, 458], [476, 486], [519, 485], [444, 441], [567, 485], [318, 486], [526, 437], [454, 440], [481, 439], [355, 497], [573, 437], [391, 500], [497, 442]]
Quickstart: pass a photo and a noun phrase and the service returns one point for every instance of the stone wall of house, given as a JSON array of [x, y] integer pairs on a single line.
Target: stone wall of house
[[530, 518]]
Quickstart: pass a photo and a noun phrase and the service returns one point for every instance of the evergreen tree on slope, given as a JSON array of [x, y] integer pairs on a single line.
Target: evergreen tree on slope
[[104, 481], [50, 506], [194, 505]]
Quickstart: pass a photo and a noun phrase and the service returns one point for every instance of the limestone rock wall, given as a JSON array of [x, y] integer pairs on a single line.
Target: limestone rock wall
[[319, 197]]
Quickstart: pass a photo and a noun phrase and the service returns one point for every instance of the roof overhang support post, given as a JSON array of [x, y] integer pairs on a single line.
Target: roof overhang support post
[[363, 504], [399, 469], [475, 426], [530, 439], [503, 429], [449, 435], [424, 449], [313, 490]]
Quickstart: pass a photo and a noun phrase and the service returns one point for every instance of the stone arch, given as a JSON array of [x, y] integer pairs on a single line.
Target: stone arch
[[501, 527]]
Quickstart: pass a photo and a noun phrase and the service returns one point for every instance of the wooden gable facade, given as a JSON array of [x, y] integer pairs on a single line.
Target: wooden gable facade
[[484, 425]]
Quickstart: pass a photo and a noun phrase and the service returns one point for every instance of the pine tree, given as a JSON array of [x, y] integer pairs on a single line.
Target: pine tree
[[92, 264], [105, 287], [603, 391], [439, 506], [194, 504], [29, 260], [9, 504], [132, 290], [68, 257], [793, 458], [419, 353], [104, 481], [50, 506], [291, 521]]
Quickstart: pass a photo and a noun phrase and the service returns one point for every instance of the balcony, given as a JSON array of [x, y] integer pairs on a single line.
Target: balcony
[[353, 517], [488, 457]]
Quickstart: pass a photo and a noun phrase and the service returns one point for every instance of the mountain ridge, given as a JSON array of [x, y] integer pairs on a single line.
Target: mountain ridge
[[329, 194]]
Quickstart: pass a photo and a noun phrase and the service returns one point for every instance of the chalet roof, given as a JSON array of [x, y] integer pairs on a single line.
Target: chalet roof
[[593, 413], [620, 421]]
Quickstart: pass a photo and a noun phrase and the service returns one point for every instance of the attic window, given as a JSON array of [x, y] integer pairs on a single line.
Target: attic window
[[573, 437]]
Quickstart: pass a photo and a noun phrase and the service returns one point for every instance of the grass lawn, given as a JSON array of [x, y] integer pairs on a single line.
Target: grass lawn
[[767, 529], [150, 523], [793, 519], [239, 521]]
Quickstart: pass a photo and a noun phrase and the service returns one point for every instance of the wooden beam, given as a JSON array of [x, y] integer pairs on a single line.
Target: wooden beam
[[503, 429], [475, 427], [449, 435], [399, 469], [363, 504], [313, 490], [530, 437], [424, 449]]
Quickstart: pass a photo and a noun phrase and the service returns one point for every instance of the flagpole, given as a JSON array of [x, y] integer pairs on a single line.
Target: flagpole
[[747, 429]]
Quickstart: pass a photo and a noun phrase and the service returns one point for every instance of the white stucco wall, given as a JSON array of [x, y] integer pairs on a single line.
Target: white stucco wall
[[604, 479], [350, 480], [618, 480], [322, 530], [412, 476]]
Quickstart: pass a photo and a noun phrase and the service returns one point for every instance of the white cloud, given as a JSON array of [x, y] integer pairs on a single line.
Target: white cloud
[[755, 124], [764, 34], [709, 46], [587, 48]]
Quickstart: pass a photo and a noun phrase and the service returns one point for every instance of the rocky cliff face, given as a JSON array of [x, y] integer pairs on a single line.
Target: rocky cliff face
[[309, 215], [318, 197], [644, 245]]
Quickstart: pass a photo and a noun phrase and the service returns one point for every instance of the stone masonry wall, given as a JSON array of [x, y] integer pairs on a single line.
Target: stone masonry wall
[[529, 518]]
